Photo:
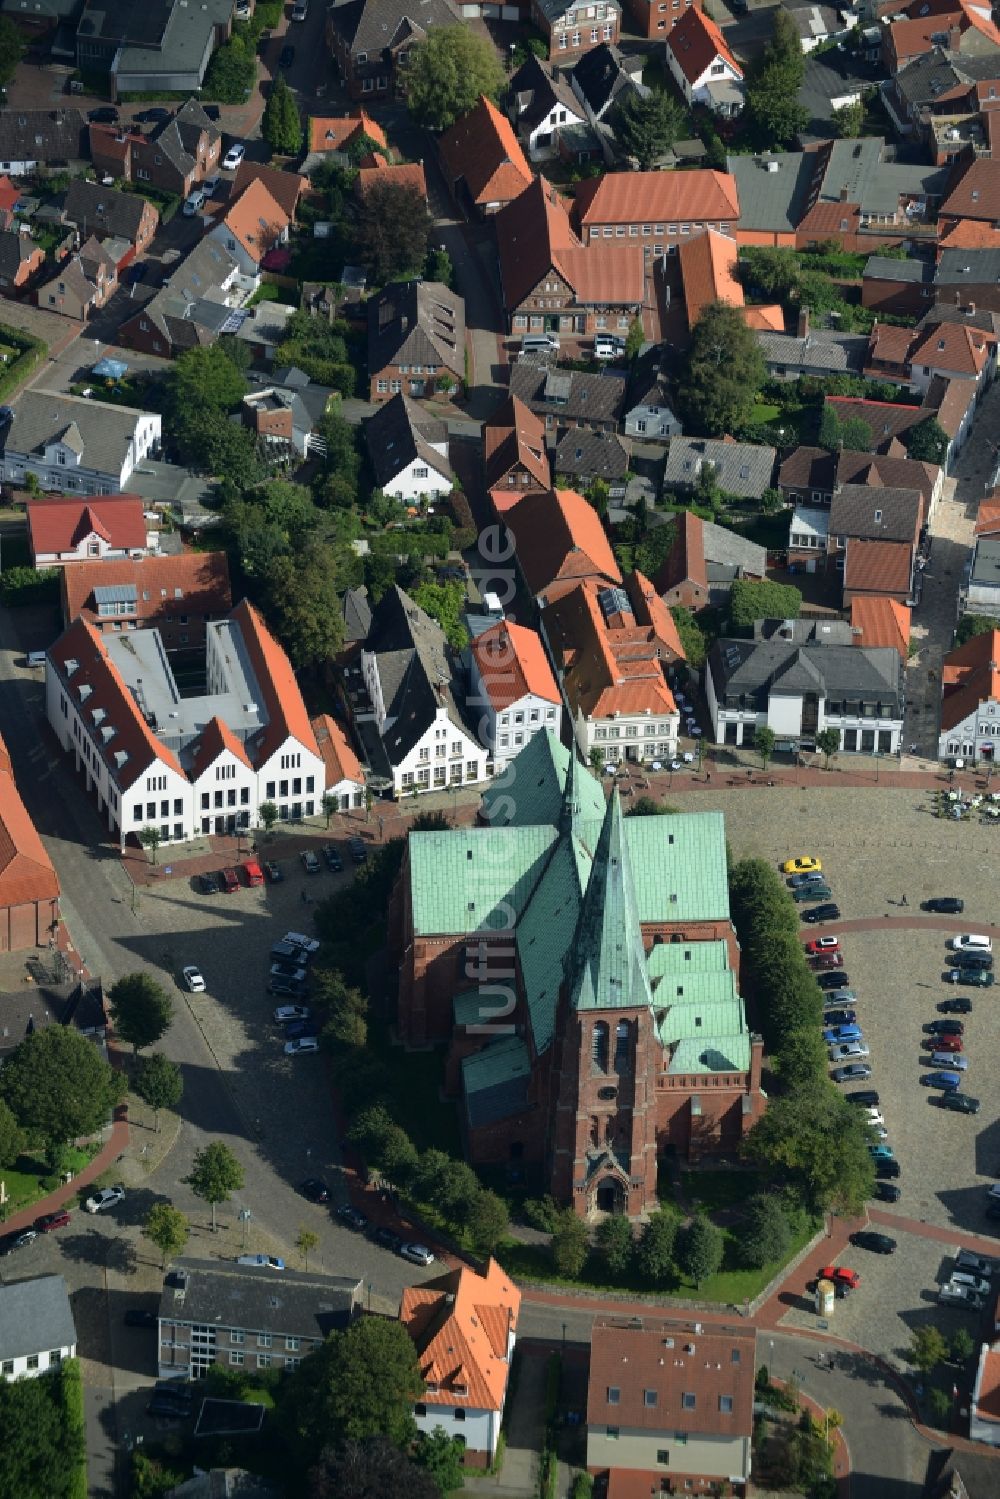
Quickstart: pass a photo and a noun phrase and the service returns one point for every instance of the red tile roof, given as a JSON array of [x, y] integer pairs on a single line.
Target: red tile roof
[[878, 566], [404, 174], [461, 1325], [342, 764], [604, 274], [954, 347], [10, 194], [685, 561], [967, 234], [881, 621], [769, 319], [337, 133], [559, 536], [482, 148], [214, 739], [26, 872], [256, 219], [673, 1359], [890, 344], [651, 610], [987, 1405], [286, 188], [696, 42], [59, 525], [975, 192], [970, 675], [988, 518], [708, 264], [286, 711], [638, 197], [610, 664], [515, 435], [534, 236], [202, 577], [512, 663]]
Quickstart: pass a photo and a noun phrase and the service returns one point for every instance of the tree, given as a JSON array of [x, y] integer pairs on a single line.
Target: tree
[[11, 48], [12, 1140], [168, 1228], [569, 1245], [927, 441], [793, 1140], [763, 743], [647, 127], [304, 605], [393, 229], [648, 806], [691, 634], [232, 71], [927, 1349], [773, 85], [448, 72], [58, 1086], [267, 814], [159, 1084], [141, 1010], [828, 744], [849, 119], [43, 1451], [306, 1241], [725, 371], [202, 379], [150, 838], [281, 126], [441, 1456], [596, 757], [974, 624], [215, 1175], [654, 1254], [615, 1243], [487, 1221], [940, 1406], [329, 805], [439, 268], [445, 603], [369, 1470], [963, 1345], [752, 601], [852, 434], [765, 1235], [699, 1250]]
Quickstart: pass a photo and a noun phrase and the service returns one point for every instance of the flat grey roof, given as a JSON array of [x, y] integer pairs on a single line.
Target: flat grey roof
[[986, 562], [225, 1294]]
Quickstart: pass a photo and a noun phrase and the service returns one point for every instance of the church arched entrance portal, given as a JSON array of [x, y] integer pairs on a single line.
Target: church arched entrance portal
[[609, 1196]]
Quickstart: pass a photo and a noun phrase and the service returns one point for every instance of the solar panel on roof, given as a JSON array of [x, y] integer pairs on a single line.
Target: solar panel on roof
[[614, 601], [234, 322]]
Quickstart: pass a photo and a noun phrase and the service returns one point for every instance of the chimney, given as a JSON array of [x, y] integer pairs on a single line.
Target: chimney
[[954, 39], [971, 310], [843, 195], [802, 325]]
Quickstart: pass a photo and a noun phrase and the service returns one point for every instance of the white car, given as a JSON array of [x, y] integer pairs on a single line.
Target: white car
[[302, 1043], [971, 942], [108, 1197], [417, 1254], [284, 1014], [233, 157], [849, 1051], [210, 186], [977, 1283], [960, 1295], [299, 939], [264, 1261], [193, 980], [194, 202], [873, 1116]]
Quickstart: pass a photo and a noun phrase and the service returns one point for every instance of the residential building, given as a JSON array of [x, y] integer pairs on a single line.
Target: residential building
[[514, 456], [409, 703], [570, 27], [512, 685], [29, 886], [887, 422], [973, 193], [879, 621], [604, 77], [33, 138], [953, 351], [188, 764], [173, 158], [464, 1326], [370, 41], [900, 287], [613, 648], [551, 282], [968, 278], [65, 531], [670, 1406], [656, 210], [941, 84], [965, 28], [416, 339], [560, 541], [810, 476], [743, 469], [798, 677], [408, 452], [647, 412], [873, 539], [285, 187], [345, 778], [37, 1331], [569, 398], [70, 443], [970, 700], [20, 260], [703, 67], [222, 1312], [253, 225], [705, 561], [95, 209], [653, 18], [78, 1004], [157, 49], [83, 284], [588, 1057], [339, 133], [540, 103], [790, 356], [408, 174], [263, 329], [482, 160], [176, 595], [984, 1414], [979, 591], [192, 308], [708, 271], [584, 458], [279, 417]]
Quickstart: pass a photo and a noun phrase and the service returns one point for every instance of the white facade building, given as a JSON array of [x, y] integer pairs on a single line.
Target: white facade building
[[76, 446], [513, 690], [702, 66], [37, 1331]]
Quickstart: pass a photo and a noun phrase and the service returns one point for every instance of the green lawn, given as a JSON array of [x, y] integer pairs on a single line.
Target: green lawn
[[28, 1180], [712, 1190]]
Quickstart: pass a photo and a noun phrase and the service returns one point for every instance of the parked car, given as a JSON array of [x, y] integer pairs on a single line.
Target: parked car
[[233, 156], [827, 960], [211, 185], [833, 980], [417, 1254], [834, 997], [849, 1051], [301, 1044], [288, 971], [388, 1238], [946, 1081], [209, 884], [812, 877], [958, 1103], [840, 1017], [970, 941], [315, 1190], [286, 57], [975, 1264], [874, 1115], [887, 1168], [230, 881], [194, 202], [287, 952], [960, 1005], [847, 1032], [944, 1028], [881, 1152], [310, 863], [353, 1217], [957, 1061], [866, 1097], [825, 944], [877, 1243], [299, 939], [286, 1013], [827, 912], [842, 1273], [333, 860], [151, 116], [814, 892], [294, 988], [107, 1197], [105, 115], [49, 1221], [273, 872], [943, 1043], [959, 1295], [978, 1283], [193, 980], [804, 864], [262, 1261], [359, 849], [302, 1028], [856, 1072], [18, 1240], [886, 1192], [140, 1316], [944, 905], [976, 978]]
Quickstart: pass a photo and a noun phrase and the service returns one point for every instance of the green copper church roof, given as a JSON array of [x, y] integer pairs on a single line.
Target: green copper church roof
[[495, 1080], [546, 930], [472, 879], [718, 1054], [531, 789], [687, 957], [606, 963]]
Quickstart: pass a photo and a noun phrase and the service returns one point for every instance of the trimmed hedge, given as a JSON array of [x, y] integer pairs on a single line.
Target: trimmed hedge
[[33, 351], [71, 1395], [23, 585]]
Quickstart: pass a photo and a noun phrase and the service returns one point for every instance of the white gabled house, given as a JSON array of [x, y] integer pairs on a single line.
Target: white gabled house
[[970, 704], [512, 686], [37, 1331], [75, 446], [702, 66], [409, 452]]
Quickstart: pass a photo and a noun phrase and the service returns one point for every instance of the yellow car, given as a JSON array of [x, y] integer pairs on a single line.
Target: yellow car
[[803, 865]]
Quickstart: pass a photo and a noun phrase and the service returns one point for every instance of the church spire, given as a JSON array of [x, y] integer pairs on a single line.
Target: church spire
[[572, 803], [606, 962]]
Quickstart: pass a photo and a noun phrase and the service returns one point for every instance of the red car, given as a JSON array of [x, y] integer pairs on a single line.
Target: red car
[[827, 960], [230, 880], [822, 945], [944, 1043], [840, 1273], [50, 1221]]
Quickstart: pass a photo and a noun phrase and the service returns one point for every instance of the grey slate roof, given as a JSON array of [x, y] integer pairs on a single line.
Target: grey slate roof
[[839, 353], [871, 513], [35, 1317], [950, 312], [583, 454], [101, 433], [741, 468], [373, 25], [357, 612], [648, 384], [535, 89], [15, 249], [938, 72], [417, 322], [569, 394], [805, 631], [415, 671], [399, 432], [189, 308], [728, 550], [602, 78], [178, 137], [752, 669], [182, 46], [871, 178], [986, 562], [47, 135], [93, 207], [772, 199], [885, 268], [969, 268], [223, 1294]]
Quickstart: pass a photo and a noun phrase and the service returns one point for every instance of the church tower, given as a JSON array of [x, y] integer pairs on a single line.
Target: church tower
[[602, 1125]]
